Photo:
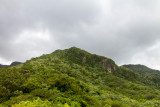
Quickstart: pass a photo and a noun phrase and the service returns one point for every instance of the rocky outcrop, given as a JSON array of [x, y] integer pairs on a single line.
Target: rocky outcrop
[[84, 60], [108, 66]]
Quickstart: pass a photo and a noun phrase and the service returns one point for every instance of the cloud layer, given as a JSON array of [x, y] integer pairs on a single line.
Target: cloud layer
[[126, 31]]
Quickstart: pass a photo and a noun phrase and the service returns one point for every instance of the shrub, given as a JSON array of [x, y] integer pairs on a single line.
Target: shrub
[[43, 93], [35, 103]]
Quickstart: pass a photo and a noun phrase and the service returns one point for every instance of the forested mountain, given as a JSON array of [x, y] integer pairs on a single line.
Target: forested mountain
[[12, 64], [75, 78], [146, 73], [2, 66], [143, 70]]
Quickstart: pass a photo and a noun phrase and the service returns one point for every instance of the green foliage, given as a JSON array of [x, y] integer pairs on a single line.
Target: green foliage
[[35, 103], [18, 99], [11, 79], [43, 93], [148, 76], [76, 78], [127, 74], [4, 92], [32, 83]]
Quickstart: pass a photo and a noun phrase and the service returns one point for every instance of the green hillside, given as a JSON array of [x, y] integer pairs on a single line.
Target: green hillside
[[74, 78], [151, 76]]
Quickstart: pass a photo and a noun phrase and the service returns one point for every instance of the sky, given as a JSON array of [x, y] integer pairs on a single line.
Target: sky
[[127, 31]]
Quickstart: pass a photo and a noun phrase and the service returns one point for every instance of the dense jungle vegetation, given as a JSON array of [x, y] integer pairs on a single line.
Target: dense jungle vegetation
[[76, 78]]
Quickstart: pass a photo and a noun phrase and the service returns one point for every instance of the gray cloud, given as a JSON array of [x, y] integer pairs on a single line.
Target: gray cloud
[[122, 30]]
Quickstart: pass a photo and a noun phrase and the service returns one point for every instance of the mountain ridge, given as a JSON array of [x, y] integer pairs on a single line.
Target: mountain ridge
[[75, 78], [146, 72], [12, 64]]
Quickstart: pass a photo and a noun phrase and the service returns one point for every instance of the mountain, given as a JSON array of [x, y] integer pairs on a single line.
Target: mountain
[[143, 70], [74, 78], [146, 73], [15, 63], [12, 64], [2, 66]]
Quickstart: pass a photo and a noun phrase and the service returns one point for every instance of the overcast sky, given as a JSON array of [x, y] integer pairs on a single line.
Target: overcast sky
[[128, 31]]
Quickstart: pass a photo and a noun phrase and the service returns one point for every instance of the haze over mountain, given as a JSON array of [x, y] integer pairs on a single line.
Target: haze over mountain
[[114, 66], [76, 78], [12, 64], [125, 30]]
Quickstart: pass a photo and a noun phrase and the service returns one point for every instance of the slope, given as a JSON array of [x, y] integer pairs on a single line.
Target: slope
[[75, 78], [146, 73], [12, 64]]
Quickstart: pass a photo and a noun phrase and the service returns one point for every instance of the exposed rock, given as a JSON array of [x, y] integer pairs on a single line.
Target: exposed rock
[[109, 67], [84, 60]]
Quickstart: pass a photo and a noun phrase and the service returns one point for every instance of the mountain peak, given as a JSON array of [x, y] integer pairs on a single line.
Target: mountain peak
[[15, 63], [79, 79], [82, 57]]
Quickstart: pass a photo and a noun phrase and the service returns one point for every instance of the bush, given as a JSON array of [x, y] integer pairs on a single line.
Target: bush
[[32, 83], [4, 92], [35, 103], [12, 79], [43, 93], [18, 99]]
